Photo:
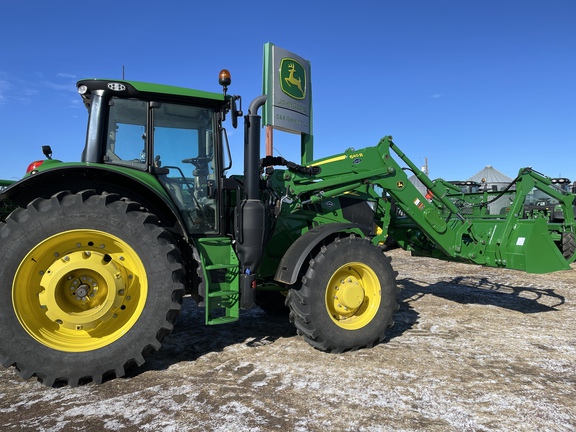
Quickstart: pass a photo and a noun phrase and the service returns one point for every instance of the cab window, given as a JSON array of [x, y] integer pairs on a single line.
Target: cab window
[[184, 147], [126, 133]]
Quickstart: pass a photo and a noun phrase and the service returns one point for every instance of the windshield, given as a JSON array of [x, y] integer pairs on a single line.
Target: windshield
[[540, 198], [126, 135]]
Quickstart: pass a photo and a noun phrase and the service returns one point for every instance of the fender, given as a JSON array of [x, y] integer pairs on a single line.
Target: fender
[[294, 257], [100, 178]]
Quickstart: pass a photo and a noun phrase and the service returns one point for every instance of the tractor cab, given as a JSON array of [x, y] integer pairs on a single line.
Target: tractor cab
[[563, 184], [467, 186], [173, 133]]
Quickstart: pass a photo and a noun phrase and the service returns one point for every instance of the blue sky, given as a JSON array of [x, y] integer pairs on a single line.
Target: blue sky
[[463, 83]]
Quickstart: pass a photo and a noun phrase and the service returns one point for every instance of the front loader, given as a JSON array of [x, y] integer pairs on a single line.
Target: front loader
[[97, 254]]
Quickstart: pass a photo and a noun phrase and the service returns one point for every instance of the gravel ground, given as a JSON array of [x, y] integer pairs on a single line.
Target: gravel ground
[[473, 349]]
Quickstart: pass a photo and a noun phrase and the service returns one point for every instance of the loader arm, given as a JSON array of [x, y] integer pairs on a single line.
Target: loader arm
[[360, 171], [435, 227]]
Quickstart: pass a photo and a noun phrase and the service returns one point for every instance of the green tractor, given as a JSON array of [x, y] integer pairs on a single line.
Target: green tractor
[[4, 184], [98, 254], [542, 204]]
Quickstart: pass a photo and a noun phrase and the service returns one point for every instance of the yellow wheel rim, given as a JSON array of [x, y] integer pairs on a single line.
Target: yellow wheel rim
[[353, 296], [79, 290]]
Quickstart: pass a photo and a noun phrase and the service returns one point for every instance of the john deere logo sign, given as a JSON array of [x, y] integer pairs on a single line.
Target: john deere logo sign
[[288, 85], [292, 78]]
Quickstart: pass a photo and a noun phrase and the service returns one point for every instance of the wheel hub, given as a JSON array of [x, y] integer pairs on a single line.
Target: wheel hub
[[83, 287], [351, 293], [79, 291]]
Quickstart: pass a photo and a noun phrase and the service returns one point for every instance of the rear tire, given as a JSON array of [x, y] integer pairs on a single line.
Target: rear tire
[[347, 297], [568, 245], [90, 286]]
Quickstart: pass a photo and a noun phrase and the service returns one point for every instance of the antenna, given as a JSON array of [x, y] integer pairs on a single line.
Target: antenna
[[424, 169], [122, 72]]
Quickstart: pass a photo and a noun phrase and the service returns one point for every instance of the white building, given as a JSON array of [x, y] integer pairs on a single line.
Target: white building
[[491, 179]]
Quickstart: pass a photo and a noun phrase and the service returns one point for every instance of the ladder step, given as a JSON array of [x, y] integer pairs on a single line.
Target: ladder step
[[222, 293], [221, 320], [222, 296], [220, 266], [214, 240]]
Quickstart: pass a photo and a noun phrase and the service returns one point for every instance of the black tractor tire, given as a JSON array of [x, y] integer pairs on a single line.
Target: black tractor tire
[[568, 245], [347, 298], [89, 285]]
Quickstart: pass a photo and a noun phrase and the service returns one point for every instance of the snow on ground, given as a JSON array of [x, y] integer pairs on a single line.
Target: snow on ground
[[473, 349]]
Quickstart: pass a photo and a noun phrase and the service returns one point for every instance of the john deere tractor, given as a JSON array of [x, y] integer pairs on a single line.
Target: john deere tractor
[[97, 254]]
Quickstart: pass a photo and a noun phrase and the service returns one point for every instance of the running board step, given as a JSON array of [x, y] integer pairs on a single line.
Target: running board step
[[220, 268]]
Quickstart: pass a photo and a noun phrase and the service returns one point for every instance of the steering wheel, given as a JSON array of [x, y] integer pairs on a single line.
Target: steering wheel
[[197, 161]]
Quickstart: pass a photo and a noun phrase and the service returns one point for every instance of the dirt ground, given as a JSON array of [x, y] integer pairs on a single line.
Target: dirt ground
[[472, 349]]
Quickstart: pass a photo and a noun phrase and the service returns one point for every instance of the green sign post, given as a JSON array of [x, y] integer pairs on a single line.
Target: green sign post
[[287, 83]]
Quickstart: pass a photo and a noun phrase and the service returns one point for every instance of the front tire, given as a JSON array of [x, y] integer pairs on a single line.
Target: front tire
[[272, 302], [347, 298], [90, 285]]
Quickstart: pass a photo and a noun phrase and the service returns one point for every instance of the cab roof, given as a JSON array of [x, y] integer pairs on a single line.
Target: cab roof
[[143, 89]]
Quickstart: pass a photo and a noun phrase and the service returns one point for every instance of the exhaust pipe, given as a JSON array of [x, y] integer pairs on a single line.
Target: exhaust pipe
[[251, 214]]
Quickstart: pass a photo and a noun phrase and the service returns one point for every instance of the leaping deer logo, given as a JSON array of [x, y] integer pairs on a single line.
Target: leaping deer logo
[[291, 79]]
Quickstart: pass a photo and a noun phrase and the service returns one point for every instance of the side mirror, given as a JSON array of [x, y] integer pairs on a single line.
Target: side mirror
[[235, 111]]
